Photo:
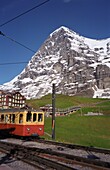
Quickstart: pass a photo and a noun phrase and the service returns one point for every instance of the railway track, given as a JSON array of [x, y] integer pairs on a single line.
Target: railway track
[[31, 157], [73, 146], [54, 155]]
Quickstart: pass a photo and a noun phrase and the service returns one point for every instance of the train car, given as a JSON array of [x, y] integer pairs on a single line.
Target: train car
[[22, 122]]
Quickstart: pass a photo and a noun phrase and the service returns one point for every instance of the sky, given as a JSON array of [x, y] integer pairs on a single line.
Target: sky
[[88, 18]]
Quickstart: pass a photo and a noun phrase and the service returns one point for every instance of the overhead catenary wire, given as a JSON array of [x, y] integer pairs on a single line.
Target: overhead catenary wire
[[22, 62], [1, 33], [24, 13]]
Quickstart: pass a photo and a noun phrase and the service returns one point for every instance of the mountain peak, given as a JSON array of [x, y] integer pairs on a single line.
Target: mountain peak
[[73, 62], [64, 28]]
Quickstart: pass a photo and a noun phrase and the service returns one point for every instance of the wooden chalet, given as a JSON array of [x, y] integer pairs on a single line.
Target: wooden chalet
[[11, 100]]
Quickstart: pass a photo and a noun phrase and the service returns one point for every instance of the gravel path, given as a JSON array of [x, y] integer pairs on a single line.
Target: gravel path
[[76, 152], [9, 163]]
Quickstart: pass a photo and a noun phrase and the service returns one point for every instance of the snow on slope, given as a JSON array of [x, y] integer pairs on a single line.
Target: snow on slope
[[37, 78], [99, 44]]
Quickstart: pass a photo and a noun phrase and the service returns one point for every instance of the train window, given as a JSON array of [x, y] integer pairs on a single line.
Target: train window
[[29, 116], [6, 118], [2, 118], [40, 117], [21, 118], [9, 118], [34, 117], [13, 118]]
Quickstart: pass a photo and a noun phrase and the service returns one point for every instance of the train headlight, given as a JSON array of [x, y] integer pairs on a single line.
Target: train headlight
[[28, 129], [40, 129]]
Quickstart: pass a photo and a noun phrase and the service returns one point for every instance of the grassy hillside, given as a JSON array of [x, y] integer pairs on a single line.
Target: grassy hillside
[[77, 128], [84, 130], [64, 101]]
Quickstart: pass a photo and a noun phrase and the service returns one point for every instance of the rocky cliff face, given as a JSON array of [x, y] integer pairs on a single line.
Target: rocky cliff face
[[77, 65]]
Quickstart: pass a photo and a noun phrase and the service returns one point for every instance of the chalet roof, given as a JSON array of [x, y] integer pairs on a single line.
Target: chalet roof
[[11, 93]]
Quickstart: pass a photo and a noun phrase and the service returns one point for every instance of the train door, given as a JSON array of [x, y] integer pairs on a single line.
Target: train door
[[20, 118], [29, 116], [2, 121]]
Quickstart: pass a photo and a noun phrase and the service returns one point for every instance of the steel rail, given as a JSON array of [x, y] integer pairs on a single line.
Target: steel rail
[[31, 157], [16, 147], [73, 146]]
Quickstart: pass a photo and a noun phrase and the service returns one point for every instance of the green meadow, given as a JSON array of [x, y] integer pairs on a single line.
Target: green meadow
[[77, 128]]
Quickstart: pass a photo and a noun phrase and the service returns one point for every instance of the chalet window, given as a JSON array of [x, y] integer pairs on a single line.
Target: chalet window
[[34, 117], [9, 104], [40, 117], [28, 117]]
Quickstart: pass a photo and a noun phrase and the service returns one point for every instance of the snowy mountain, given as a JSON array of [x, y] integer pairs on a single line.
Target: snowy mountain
[[76, 64]]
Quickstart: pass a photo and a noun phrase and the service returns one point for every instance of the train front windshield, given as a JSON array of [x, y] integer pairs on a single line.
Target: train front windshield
[[34, 117]]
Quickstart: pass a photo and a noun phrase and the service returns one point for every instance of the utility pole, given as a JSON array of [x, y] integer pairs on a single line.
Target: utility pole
[[53, 111]]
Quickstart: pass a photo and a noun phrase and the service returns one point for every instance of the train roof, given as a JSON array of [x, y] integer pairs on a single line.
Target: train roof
[[18, 110]]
